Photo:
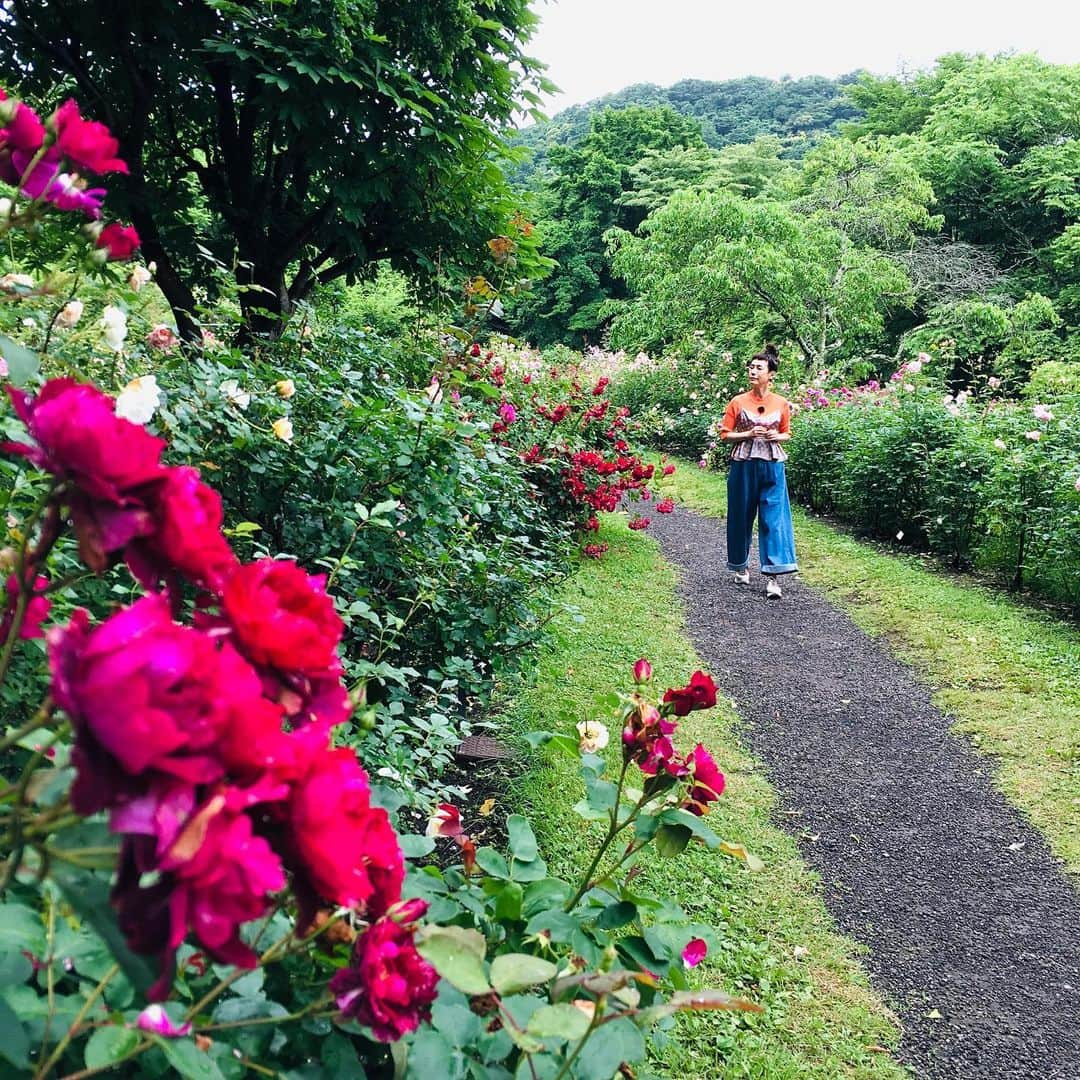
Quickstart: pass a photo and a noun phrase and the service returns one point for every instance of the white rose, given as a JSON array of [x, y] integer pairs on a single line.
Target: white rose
[[139, 276], [231, 392], [138, 400], [114, 327], [70, 313], [593, 736]]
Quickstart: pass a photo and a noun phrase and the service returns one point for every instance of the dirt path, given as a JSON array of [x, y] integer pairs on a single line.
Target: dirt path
[[974, 934]]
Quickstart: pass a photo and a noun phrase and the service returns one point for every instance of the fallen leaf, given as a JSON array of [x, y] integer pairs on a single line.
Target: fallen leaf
[[933, 1014], [486, 807]]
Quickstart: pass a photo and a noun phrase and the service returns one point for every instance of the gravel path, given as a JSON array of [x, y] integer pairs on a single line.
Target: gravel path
[[974, 933]]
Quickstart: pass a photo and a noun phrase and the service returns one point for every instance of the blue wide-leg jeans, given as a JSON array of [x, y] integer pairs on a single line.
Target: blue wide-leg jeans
[[757, 488]]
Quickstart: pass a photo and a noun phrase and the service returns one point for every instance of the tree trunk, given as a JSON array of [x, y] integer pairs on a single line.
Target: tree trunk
[[264, 300]]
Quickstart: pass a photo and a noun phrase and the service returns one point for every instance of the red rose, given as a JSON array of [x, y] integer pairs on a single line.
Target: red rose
[[344, 847], [282, 616], [699, 693], [388, 987], [120, 241]]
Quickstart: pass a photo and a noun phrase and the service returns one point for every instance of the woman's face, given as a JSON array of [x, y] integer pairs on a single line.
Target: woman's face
[[759, 372]]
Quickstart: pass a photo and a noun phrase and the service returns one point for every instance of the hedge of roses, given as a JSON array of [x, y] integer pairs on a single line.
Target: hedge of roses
[[979, 480], [197, 878]]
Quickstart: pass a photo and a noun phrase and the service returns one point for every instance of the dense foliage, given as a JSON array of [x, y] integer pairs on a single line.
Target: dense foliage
[[201, 872], [728, 113], [299, 142]]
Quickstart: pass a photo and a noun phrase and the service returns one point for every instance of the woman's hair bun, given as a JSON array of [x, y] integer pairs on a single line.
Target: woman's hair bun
[[770, 349]]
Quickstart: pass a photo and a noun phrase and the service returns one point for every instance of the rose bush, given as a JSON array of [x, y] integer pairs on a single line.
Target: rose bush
[[178, 822]]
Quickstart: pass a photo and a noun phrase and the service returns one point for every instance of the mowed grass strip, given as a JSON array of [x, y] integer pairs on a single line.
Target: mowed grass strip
[[1007, 674], [776, 942]]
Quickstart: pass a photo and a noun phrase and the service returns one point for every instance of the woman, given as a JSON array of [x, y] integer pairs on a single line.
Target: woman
[[756, 424]]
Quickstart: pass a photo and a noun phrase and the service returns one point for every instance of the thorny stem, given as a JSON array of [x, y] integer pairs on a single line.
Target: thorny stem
[[76, 1024]]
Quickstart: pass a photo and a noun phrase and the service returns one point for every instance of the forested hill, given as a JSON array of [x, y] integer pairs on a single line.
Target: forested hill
[[733, 111]]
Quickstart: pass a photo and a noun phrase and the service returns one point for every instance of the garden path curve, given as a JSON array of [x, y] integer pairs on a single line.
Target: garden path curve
[[965, 913]]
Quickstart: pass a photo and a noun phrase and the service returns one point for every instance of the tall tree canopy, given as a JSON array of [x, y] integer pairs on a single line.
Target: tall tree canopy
[[302, 141]]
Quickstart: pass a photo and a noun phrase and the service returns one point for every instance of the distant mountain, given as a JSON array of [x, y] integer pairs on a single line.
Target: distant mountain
[[799, 111]]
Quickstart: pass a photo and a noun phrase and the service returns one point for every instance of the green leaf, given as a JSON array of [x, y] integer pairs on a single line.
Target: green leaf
[[558, 1022], [14, 1042], [609, 1046], [492, 862], [414, 846], [508, 899], [616, 915], [109, 1044], [457, 955], [694, 824], [22, 363], [20, 928], [514, 972], [544, 895], [522, 839], [188, 1060], [88, 895], [15, 968], [431, 1055], [671, 840]]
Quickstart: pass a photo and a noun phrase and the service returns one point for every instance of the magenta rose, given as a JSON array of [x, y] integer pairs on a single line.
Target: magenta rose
[[37, 609], [88, 145], [708, 781], [78, 437], [147, 697], [388, 987], [699, 693], [343, 848], [214, 876], [187, 537]]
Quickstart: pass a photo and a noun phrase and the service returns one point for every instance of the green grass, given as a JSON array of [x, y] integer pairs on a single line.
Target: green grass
[[1008, 675], [778, 944]]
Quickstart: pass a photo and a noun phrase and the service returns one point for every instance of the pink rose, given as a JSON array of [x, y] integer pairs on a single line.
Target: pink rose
[[642, 671], [694, 952], [162, 338]]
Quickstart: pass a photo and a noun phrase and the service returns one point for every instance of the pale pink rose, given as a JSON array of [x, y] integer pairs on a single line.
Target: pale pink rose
[[162, 337], [1042, 412], [1034, 436], [593, 736]]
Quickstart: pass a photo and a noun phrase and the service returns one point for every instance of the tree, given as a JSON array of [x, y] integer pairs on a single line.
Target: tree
[[707, 262], [316, 137], [583, 198]]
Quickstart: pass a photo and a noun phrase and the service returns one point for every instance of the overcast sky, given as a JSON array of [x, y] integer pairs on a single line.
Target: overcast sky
[[594, 47]]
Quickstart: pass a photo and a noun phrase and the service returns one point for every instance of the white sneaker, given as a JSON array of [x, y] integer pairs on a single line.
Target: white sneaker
[[742, 577], [772, 589]]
